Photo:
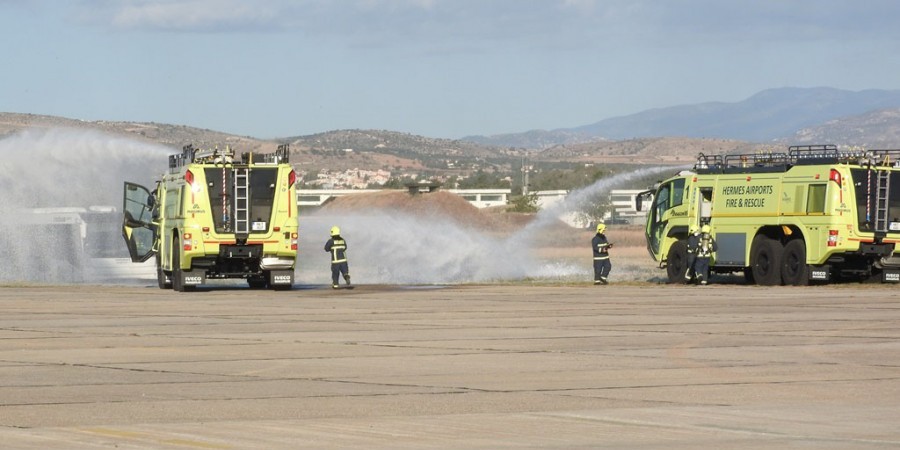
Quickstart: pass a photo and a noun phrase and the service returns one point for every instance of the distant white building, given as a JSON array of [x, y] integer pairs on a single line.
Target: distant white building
[[623, 207], [318, 197], [483, 198], [480, 198]]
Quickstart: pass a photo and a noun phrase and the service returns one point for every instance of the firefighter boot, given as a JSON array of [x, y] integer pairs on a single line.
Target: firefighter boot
[[347, 279]]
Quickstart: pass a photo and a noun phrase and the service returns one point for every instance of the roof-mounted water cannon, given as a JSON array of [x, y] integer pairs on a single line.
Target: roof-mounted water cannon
[[280, 156], [214, 156], [189, 155], [702, 162], [707, 162], [185, 157], [885, 157]]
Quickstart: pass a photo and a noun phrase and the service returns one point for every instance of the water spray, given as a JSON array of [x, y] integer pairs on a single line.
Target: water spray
[[395, 247], [578, 198], [48, 176]]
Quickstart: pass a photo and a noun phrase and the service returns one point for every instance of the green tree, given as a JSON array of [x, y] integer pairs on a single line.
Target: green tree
[[557, 179], [483, 180], [523, 203]]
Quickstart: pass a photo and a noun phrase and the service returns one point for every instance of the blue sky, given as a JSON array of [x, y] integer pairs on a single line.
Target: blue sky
[[439, 68]]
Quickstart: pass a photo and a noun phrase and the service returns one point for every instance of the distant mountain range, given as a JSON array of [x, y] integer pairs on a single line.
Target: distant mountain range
[[770, 119], [770, 115]]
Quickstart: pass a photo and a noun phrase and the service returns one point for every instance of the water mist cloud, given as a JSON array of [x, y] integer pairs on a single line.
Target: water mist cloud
[[393, 247], [68, 167], [63, 168]]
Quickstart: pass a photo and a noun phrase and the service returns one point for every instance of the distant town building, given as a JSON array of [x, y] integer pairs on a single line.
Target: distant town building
[[349, 179], [480, 198]]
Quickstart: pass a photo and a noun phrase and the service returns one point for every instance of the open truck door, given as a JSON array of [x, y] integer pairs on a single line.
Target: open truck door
[[650, 231], [138, 228]]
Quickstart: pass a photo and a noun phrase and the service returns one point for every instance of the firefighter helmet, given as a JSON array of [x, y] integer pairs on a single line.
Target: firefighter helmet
[[705, 229], [335, 230], [694, 229], [601, 227]]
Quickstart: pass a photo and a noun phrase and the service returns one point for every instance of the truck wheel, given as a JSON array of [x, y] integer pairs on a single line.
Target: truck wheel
[[161, 275], [257, 282], [748, 275], [794, 270], [676, 262], [177, 285], [765, 259]]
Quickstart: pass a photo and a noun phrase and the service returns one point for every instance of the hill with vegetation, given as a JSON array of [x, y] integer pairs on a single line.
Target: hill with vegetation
[[471, 164]]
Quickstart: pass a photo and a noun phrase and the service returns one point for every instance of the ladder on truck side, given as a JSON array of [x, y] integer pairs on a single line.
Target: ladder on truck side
[[882, 200], [242, 201]]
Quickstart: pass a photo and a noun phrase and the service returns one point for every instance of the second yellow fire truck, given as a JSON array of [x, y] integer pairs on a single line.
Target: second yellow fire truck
[[814, 213]]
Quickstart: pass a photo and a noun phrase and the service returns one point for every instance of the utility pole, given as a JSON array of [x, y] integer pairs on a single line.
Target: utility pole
[[525, 170]]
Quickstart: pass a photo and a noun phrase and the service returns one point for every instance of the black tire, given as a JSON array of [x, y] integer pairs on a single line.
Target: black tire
[[281, 287], [260, 282], [177, 285], [161, 275], [748, 275], [676, 262], [765, 260], [794, 270]]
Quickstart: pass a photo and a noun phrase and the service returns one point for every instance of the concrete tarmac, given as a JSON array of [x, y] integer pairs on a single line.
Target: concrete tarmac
[[486, 367]]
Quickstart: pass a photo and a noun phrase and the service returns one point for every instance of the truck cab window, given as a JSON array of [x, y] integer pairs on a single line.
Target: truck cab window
[[815, 202], [677, 192], [661, 202]]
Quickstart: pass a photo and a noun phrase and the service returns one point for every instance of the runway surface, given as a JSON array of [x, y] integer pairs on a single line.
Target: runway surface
[[391, 367]]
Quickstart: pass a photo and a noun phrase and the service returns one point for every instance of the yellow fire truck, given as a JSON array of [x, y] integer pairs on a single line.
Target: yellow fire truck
[[814, 213], [213, 216]]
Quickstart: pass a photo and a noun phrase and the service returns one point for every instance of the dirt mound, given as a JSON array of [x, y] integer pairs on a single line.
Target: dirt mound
[[445, 204]]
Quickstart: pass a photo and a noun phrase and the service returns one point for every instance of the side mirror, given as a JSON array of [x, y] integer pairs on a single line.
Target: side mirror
[[639, 199]]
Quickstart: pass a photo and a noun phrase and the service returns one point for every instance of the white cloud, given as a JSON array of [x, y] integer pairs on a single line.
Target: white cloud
[[184, 15], [534, 23]]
